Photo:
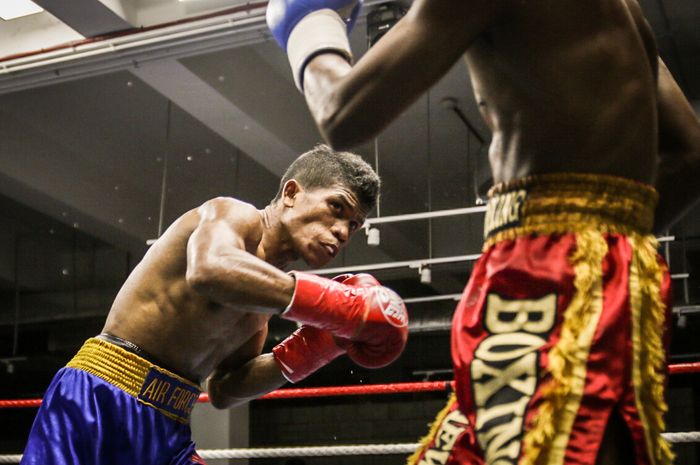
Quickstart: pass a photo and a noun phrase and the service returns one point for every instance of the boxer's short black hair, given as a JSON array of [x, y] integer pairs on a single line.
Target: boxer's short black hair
[[323, 167]]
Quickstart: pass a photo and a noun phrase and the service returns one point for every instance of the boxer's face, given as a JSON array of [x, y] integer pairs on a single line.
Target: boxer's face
[[321, 221]]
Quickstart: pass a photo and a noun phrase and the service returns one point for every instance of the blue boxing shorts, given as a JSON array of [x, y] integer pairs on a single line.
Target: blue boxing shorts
[[109, 406]]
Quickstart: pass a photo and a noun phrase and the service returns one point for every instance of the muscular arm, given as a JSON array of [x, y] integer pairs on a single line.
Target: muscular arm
[[221, 263], [245, 375], [350, 105], [679, 152]]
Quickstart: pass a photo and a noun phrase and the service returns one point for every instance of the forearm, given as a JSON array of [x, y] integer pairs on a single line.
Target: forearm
[[678, 188], [352, 104], [252, 380], [679, 152], [239, 278], [348, 107]]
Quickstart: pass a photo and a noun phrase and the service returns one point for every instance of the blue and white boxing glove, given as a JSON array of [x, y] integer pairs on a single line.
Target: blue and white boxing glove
[[305, 28]]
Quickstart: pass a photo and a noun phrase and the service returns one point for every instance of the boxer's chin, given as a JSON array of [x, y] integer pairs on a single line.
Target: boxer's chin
[[316, 258]]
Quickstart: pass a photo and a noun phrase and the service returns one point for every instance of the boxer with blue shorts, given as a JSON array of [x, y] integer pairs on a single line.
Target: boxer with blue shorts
[[111, 406], [196, 308]]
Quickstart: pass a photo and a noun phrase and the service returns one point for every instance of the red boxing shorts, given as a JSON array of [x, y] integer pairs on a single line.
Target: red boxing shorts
[[561, 323]]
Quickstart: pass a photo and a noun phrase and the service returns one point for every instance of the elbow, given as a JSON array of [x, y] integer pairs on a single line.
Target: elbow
[[218, 403], [332, 131], [201, 278], [340, 125], [340, 135], [336, 141], [222, 403], [217, 398]]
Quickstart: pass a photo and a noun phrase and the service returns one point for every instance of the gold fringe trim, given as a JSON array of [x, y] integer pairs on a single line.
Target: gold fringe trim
[[547, 436], [648, 357], [434, 428]]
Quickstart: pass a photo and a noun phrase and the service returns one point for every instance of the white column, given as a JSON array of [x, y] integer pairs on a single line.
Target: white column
[[221, 429]]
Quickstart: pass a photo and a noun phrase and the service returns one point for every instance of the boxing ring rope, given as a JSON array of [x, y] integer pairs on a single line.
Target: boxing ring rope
[[366, 389], [344, 450], [347, 450]]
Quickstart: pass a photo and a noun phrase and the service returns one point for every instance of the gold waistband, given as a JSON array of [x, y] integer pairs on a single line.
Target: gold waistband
[[161, 389], [568, 202]]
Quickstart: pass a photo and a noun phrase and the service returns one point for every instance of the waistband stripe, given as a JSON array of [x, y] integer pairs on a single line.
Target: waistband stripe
[[568, 202], [167, 392]]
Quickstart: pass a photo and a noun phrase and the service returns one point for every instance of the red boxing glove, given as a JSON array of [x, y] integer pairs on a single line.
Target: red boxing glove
[[372, 317], [358, 280], [306, 350]]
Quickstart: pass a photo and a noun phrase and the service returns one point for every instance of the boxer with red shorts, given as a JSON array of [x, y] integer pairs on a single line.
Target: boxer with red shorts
[[560, 326], [564, 311]]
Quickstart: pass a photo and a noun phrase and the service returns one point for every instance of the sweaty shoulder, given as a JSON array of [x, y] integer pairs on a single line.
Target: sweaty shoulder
[[240, 216]]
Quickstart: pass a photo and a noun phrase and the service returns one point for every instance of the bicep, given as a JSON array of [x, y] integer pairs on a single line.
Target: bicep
[[396, 71]]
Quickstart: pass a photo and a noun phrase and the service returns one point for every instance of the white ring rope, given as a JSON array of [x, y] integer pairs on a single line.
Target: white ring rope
[[326, 451], [692, 436], [316, 451]]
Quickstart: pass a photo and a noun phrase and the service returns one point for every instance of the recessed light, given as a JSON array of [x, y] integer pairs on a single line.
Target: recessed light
[[13, 9]]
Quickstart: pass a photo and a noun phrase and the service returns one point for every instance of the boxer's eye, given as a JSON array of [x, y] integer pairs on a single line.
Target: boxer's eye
[[336, 206]]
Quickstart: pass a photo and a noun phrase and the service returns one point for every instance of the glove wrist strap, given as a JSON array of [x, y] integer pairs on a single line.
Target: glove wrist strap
[[322, 303], [320, 31]]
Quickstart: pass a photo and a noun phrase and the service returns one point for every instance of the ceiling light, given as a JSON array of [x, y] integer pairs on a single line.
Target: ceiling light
[[426, 276], [372, 237], [12, 9]]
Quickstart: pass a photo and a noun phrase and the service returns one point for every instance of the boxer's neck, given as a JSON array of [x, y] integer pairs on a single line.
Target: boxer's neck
[[276, 242]]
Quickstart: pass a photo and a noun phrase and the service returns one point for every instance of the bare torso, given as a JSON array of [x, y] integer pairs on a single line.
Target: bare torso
[[568, 86], [157, 310]]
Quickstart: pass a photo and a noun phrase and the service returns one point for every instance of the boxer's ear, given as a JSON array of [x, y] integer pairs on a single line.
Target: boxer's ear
[[290, 192]]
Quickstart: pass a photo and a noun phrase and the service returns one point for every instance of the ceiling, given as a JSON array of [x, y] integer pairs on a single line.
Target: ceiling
[[116, 116]]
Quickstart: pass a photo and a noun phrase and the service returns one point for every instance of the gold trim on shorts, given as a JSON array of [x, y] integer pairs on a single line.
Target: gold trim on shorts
[[590, 205], [547, 437], [568, 202], [649, 356], [437, 445], [167, 392]]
